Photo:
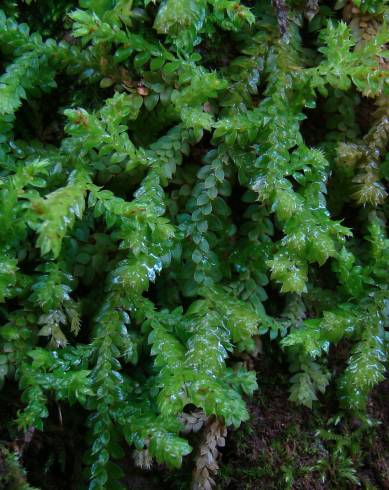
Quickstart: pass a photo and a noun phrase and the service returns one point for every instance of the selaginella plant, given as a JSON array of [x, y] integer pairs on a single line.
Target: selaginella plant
[[178, 178]]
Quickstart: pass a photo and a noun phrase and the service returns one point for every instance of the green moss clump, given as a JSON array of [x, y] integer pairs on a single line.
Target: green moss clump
[[178, 178]]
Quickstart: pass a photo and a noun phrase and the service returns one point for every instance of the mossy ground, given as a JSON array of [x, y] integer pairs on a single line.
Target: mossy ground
[[289, 447], [281, 447]]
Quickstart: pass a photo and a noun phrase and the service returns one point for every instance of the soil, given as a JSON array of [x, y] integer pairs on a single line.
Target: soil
[[281, 448]]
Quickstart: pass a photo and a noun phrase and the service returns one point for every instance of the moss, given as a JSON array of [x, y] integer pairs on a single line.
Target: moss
[[287, 447], [165, 217]]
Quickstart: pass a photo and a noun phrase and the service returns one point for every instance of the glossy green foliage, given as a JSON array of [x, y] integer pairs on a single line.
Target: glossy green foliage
[[178, 178]]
